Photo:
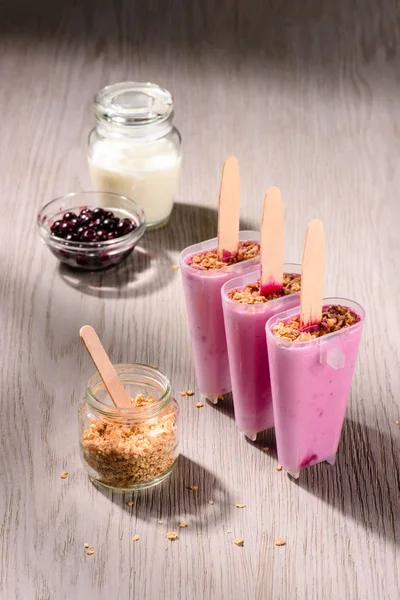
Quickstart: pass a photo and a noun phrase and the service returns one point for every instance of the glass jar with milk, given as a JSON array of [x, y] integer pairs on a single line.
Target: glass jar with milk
[[135, 150]]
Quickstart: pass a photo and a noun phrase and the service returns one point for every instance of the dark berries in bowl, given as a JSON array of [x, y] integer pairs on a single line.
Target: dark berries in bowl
[[90, 237], [91, 225]]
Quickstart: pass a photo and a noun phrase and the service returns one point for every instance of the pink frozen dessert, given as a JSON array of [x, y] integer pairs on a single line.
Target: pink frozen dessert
[[311, 373], [246, 313], [203, 275]]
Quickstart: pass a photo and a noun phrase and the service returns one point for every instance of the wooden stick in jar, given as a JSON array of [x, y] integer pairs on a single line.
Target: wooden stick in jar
[[312, 275], [105, 368], [272, 243], [229, 209]]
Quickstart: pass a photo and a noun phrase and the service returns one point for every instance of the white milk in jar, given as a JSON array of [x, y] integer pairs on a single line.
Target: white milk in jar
[[135, 150]]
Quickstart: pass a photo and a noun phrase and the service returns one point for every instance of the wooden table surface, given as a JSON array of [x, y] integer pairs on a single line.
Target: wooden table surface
[[306, 94]]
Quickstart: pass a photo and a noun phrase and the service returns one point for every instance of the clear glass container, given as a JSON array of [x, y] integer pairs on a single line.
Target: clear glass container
[[135, 150], [129, 448]]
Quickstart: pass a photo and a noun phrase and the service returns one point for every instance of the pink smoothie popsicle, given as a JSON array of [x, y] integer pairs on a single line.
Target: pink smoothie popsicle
[[311, 383], [248, 355], [202, 290]]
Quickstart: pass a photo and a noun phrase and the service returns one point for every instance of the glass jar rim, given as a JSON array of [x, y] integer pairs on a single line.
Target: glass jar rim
[[133, 104], [147, 372]]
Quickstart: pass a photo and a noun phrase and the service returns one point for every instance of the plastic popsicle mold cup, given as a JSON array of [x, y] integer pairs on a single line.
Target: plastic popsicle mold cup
[[310, 384], [248, 354], [202, 290]]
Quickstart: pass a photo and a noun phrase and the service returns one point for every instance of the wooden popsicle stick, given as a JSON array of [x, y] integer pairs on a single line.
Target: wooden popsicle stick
[[272, 243], [229, 209], [104, 367], [312, 275]]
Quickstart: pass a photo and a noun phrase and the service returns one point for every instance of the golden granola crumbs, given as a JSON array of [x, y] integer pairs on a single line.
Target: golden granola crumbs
[[266, 449], [220, 398], [280, 542], [209, 259], [194, 488], [89, 552], [130, 503], [64, 475], [86, 545], [250, 294], [240, 506], [136, 537], [279, 467], [160, 522], [172, 536], [183, 393], [396, 422], [182, 524], [239, 541], [154, 366], [199, 405], [211, 502], [142, 400], [123, 453], [189, 393], [334, 318], [174, 267]]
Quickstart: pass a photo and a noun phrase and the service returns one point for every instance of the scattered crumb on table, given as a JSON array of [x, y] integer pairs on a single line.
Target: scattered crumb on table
[[239, 541], [280, 542]]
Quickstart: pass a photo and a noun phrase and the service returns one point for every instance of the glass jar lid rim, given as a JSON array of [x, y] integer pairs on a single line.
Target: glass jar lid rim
[[133, 103]]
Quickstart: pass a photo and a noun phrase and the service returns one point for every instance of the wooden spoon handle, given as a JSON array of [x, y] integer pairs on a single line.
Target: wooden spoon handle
[[104, 367]]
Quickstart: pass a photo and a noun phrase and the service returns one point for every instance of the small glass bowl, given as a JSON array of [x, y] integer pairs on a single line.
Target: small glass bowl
[[91, 256]]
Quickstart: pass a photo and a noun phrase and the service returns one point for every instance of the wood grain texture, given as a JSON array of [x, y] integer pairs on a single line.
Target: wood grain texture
[[305, 94]]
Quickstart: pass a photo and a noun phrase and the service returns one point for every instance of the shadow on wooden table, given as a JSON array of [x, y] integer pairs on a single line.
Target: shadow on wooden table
[[148, 268], [173, 499], [265, 439], [224, 406], [364, 483], [189, 224]]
